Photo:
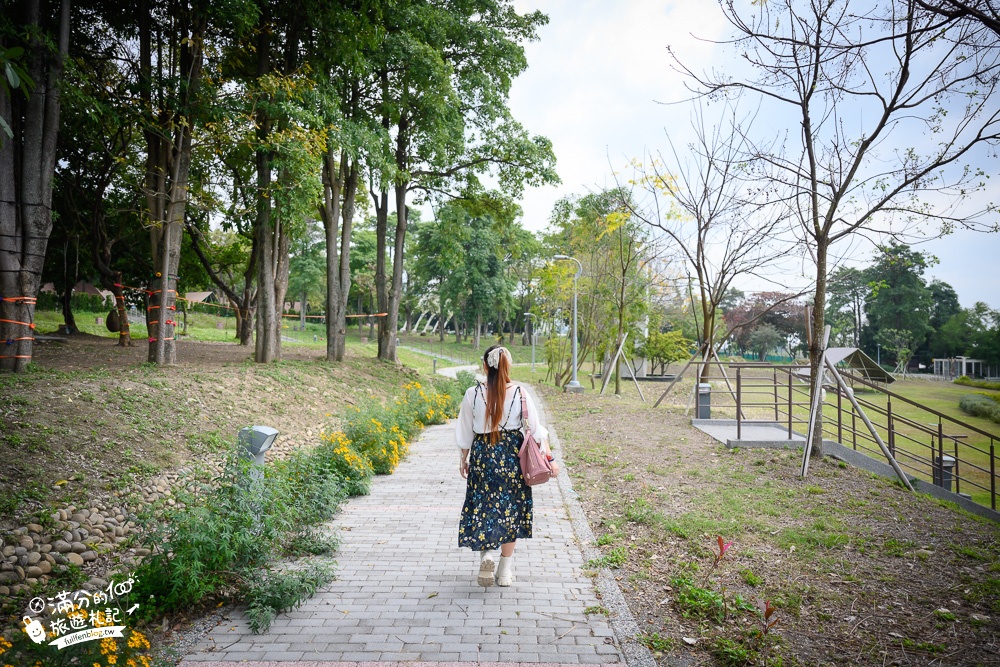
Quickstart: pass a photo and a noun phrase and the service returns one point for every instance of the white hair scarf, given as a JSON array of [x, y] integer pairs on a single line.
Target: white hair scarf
[[493, 358]]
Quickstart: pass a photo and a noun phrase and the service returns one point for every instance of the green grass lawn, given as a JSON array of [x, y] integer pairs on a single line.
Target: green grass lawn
[[200, 326], [466, 353], [212, 327]]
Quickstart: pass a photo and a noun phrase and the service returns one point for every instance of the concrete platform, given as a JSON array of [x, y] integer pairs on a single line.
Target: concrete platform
[[769, 435]]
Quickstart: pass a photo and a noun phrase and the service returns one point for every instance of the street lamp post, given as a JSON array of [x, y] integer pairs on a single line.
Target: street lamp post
[[574, 385], [527, 315], [878, 356]]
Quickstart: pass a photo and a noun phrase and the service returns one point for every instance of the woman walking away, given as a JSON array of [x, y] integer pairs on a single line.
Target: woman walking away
[[498, 505]]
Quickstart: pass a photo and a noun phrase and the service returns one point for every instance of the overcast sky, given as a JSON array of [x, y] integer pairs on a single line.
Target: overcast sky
[[596, 83]]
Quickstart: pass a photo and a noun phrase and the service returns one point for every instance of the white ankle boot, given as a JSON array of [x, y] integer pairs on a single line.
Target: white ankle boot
[[505, 571], [486, 567]]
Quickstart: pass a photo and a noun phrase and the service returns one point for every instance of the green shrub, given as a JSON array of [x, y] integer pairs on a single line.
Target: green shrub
[[200, 548], [465, 380], [220, 541], [271, 593], [730, 653], [982, 384], [614, 559], [313, 491], [978, 405]]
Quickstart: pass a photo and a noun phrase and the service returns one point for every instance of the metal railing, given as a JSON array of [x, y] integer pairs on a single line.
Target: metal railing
[[926, 443]]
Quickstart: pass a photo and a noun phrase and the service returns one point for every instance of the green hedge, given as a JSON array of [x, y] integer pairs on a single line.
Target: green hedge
[[980, 405], [981, 384]]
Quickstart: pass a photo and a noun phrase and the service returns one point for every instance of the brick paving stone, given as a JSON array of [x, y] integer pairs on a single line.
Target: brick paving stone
[[406, 593]]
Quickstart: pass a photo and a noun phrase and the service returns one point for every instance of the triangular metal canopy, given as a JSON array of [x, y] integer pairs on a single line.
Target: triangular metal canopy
[[859, 361]]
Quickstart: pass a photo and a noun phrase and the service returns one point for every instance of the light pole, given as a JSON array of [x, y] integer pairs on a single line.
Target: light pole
[[573, 386], [527, 315], [878, 354]]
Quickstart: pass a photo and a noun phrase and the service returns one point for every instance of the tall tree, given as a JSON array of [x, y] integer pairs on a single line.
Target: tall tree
[[223, 192], [289, 142], [948, 335], [40, 31], [900, 301], [848, 289], [99, 172], [439, 255], [905, 73], [443, 80], [718, 228]]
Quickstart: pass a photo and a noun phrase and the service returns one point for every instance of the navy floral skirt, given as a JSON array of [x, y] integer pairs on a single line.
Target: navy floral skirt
[[498, 506]]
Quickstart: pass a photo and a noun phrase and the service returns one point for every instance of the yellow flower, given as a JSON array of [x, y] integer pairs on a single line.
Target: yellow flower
[[137, 640]]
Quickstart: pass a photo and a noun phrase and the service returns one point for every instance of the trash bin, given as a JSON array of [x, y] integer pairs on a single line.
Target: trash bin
[[704, 410], [943, 472]]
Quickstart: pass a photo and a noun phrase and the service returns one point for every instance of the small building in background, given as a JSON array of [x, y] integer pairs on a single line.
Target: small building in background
[[953, 367]]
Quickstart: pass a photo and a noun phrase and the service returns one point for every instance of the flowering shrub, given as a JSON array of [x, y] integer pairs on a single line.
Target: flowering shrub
[[339, 456], [380, 432], [131, 650], [383, 443], [425, 408]]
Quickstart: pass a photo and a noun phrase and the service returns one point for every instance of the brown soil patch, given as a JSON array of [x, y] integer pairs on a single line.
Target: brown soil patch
[[862, 572]]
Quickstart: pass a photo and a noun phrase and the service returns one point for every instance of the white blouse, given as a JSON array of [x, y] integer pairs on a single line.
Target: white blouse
[[472, 415]]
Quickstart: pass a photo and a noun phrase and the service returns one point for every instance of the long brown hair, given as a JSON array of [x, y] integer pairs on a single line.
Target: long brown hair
[[496, 391]]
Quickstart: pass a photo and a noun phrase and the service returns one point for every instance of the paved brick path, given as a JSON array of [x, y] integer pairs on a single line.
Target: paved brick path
[[406, 593]]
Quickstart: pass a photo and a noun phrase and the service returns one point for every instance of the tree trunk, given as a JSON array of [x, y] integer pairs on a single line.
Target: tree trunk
[[101, 255], [268, 309], [168, 163], [387, 334], [302, 311], [69, 321], [381, 287], [816, 346], [329, 211], [124, 327], [27, 165], [340, 178], [281, 268]]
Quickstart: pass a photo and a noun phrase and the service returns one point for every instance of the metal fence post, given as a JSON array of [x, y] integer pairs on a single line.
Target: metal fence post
[[940, 457], [993, 476], [892, 432], [739, 404], [854, 429], [775, 372], [789, 406], [840, 417], [955, 471]]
